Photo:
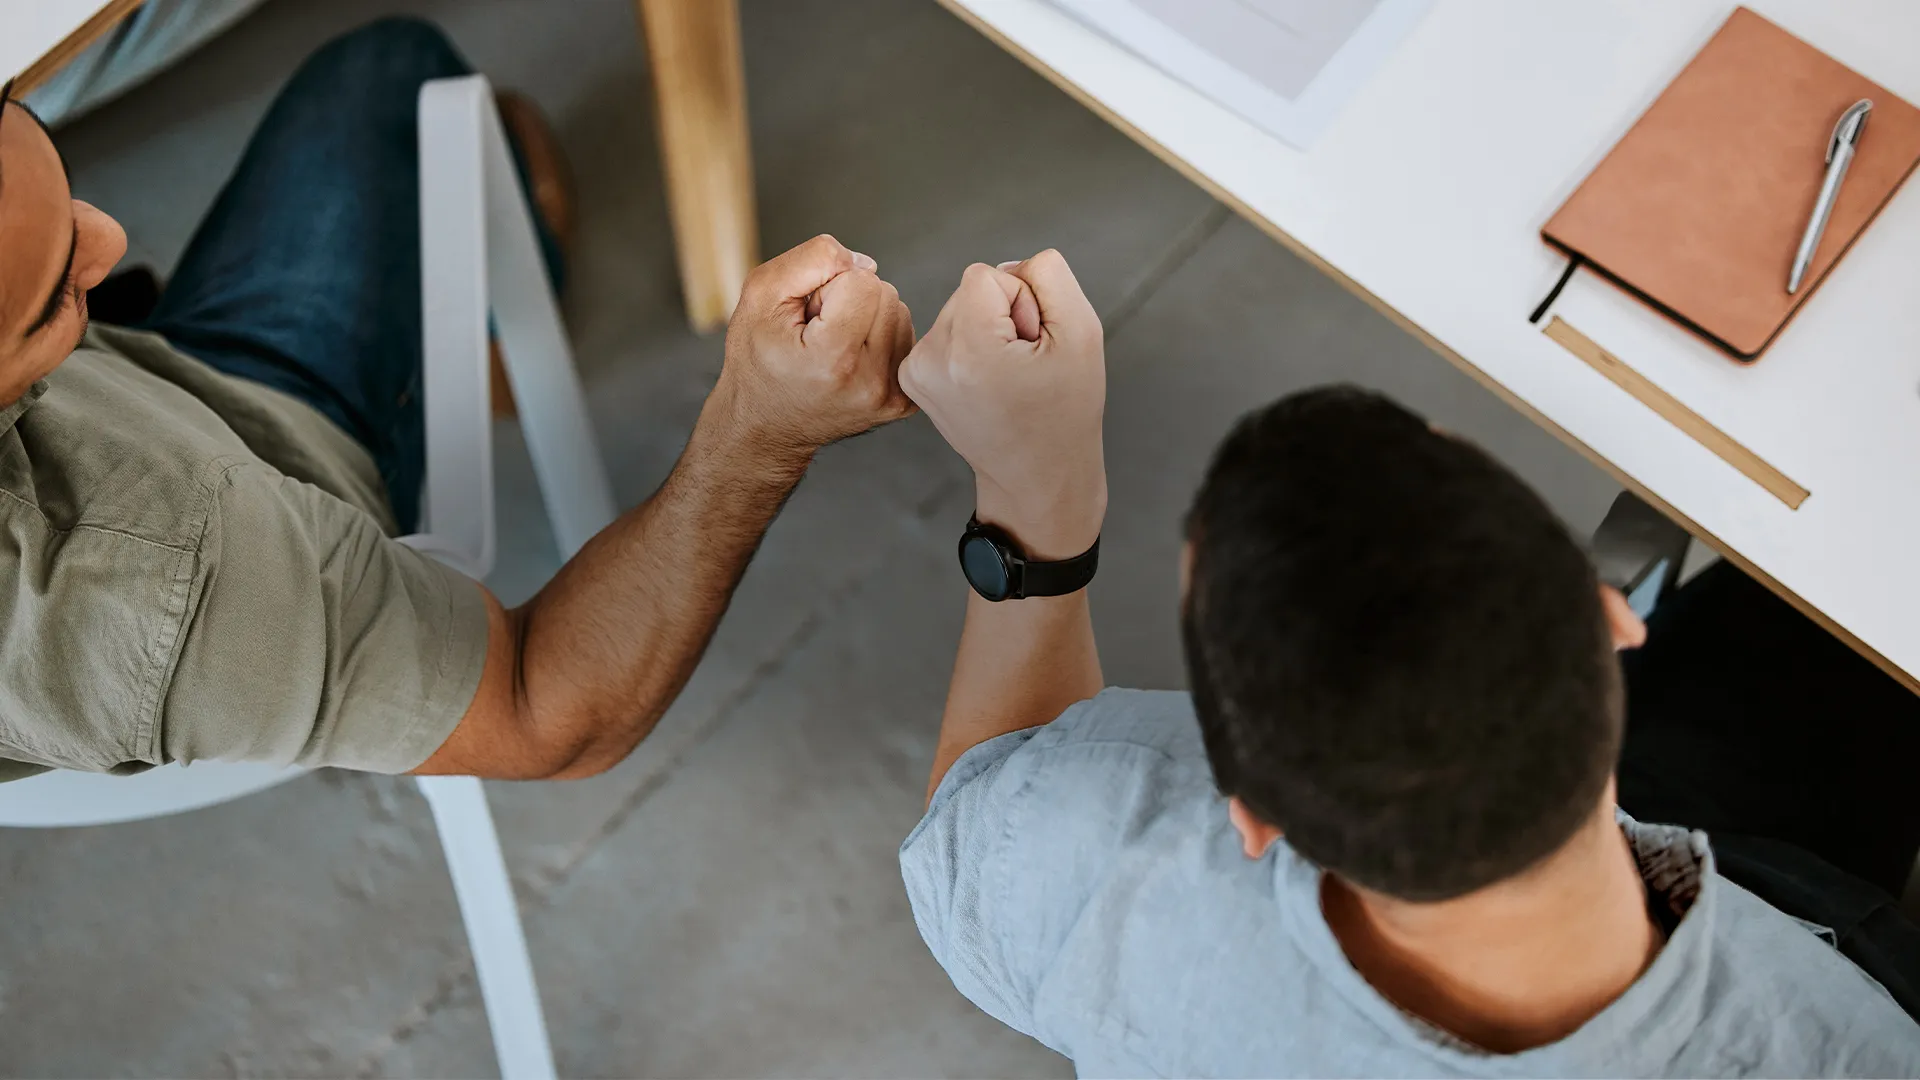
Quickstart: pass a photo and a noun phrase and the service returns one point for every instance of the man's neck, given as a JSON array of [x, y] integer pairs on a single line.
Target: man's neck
[[1515, 965]]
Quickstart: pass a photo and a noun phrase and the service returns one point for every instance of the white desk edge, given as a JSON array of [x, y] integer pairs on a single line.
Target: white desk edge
[[29, 31]]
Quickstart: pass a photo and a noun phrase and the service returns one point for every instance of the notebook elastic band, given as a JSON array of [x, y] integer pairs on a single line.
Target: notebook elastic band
[[1554, 294]]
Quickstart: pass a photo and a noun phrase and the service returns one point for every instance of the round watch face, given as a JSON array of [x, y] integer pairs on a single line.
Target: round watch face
[[986, 571]]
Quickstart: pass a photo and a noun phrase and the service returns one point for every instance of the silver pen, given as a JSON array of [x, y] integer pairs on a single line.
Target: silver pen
[[1846, 135]]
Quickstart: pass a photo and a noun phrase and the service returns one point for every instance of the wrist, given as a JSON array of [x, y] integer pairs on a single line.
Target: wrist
[[1047, 529], [731, 428]]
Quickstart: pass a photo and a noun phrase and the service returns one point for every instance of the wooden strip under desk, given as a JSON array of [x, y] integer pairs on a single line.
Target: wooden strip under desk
[[105, 19], [1668, 406]]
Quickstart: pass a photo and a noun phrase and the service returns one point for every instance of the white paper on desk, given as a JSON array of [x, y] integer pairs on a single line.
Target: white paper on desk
[[1286, 65]]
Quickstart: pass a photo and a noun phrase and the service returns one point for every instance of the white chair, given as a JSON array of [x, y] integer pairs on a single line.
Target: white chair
[[477, 245]]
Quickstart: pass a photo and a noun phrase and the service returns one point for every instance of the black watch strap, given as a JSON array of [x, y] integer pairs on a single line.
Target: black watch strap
[[1062, 578]]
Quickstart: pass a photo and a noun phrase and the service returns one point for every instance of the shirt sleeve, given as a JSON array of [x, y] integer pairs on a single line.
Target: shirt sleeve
[[1026, 828], [952, 861], [315, 639]]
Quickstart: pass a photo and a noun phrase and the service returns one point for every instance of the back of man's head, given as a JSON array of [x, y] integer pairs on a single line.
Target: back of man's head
[[1398, 654]]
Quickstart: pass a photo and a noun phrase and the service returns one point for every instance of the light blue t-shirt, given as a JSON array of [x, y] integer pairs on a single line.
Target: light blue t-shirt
[[1081, 882]]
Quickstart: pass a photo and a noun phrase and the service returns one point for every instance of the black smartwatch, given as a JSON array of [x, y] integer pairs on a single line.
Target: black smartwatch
[[998, 570]]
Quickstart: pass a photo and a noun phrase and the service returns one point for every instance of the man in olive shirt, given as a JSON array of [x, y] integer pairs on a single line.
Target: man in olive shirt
[[197, 516]]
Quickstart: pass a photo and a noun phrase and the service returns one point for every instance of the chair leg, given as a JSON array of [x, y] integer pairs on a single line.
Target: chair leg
[[492, 919], [534, 348]]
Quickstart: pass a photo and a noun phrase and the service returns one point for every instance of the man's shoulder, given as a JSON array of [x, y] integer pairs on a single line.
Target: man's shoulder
[[1171, 920], [1116, 739], [1123, 756], [1762, 951], [107, 498], [1092, 860], [1157, 720], [1780, 993]]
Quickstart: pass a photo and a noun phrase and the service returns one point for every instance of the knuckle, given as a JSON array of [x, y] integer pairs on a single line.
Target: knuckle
[[824, 248], [758, 285], [1049, 263]]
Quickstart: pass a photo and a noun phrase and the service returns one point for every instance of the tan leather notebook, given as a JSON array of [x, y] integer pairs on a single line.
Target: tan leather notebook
[[1699, 209]]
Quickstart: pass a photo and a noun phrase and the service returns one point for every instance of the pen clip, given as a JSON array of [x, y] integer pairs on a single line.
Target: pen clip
[[1847, 129]]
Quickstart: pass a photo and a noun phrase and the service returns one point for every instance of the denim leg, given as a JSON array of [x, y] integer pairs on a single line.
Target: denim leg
[[305, 275]]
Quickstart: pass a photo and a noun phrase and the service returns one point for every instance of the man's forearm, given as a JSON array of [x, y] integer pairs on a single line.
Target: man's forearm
[[606, 646], [577, 676], [1020, 664], [1013, 373]]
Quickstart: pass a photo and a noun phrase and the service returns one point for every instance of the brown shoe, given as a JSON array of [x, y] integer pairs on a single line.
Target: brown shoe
[[499, 390], [549, 178], [550, 189]]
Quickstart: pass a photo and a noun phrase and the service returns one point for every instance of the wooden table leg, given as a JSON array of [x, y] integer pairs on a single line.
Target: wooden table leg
[[700, 99]]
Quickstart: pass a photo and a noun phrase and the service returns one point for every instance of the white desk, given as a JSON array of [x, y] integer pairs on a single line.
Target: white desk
[[37, 36], [1427, 199]]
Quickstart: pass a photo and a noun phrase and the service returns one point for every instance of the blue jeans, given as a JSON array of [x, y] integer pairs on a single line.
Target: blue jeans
[[305, 274]]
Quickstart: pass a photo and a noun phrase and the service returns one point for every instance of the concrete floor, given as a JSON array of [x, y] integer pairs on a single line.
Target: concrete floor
[[726, 903]]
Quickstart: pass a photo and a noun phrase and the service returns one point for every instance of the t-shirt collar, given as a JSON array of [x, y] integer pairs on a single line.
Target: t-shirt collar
[[1639, 1033]]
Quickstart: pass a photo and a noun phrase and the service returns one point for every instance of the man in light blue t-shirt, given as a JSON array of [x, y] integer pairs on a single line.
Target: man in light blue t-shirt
[[1381, 836]]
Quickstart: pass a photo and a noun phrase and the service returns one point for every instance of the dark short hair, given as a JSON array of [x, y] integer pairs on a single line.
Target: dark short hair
[[1397, 652]]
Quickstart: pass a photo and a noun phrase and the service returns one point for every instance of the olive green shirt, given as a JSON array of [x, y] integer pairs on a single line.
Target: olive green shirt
[[195, 566]]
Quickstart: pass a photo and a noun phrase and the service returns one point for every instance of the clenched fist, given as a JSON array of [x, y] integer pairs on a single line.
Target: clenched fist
[[1013, 373], [813, 349]]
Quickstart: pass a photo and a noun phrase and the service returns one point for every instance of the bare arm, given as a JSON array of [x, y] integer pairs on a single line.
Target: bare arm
[[1020, 664], [577, 676], [1013, 373]]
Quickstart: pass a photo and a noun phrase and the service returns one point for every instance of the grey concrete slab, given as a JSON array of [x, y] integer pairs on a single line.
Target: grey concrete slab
[[275, 937], [748, 919]]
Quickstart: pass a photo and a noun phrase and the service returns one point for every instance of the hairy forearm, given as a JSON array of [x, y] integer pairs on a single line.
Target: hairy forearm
[[606, 646], [582, 672]]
